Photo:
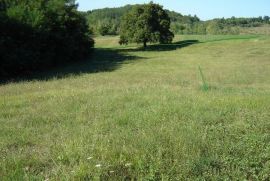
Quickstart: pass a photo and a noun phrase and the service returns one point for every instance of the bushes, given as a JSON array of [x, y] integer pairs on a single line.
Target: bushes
[[40, 34]]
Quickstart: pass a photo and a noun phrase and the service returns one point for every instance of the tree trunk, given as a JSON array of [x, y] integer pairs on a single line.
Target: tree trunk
[[144, 44]]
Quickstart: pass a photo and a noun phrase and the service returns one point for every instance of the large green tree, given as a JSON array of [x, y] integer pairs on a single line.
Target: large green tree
[[146, 23], [40, 34]]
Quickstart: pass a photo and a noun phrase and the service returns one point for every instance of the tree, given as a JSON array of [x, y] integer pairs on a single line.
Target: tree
[[146, 23], [214, 28], [266, 19], [104, 29], [40, 34]]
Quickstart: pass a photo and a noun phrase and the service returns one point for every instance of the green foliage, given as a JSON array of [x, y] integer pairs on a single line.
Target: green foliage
[[266, 19], [104, 29], [183, 24], [180, 24], [233, 25], [111, 17], [214, 28], [146, 23], [107, 17], [40, 34], [244, 22]]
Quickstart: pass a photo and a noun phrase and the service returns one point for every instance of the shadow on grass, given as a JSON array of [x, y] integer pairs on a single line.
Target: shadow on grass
[[165, 47], [101, 60]]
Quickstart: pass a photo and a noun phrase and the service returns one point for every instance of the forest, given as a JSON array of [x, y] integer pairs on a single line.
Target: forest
[[107, 22], [39, 34]]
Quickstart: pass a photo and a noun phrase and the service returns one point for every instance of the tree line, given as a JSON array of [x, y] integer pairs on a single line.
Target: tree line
[[39, 34], [107, 22], [223, 26]]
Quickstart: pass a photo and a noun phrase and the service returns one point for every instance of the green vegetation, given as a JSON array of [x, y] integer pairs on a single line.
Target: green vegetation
[[109, 19], [128, 113], [205, 85], [107, 22], [40, 34], [146, 23], [194, 109]]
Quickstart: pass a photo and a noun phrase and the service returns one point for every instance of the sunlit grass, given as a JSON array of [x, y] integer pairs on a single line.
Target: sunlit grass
[[145, 118]]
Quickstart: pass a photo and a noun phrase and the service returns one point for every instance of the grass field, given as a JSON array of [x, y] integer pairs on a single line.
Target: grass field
[[132, 114]]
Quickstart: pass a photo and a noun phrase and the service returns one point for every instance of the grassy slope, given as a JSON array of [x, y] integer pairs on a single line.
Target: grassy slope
[[146, 116]]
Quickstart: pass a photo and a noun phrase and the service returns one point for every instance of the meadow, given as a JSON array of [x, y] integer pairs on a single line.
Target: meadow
[[134, 114]]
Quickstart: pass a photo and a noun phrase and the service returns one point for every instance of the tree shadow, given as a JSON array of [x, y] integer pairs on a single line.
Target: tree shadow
[[101, 60], [166, 47]]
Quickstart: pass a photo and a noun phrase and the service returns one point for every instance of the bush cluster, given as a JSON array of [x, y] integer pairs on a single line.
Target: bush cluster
[[40, 34]]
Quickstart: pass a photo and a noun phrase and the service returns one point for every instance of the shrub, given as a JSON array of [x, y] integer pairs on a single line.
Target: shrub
[[40, 34]]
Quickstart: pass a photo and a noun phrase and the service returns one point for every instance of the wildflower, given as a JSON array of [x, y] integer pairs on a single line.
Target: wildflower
[[98, 165], [128, 164]]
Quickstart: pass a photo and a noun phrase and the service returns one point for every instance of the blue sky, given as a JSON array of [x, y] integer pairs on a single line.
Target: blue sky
[[205, 9]]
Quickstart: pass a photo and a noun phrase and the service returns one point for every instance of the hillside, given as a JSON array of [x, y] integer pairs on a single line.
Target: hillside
[[170, 98], [107, 22], [131, 114]]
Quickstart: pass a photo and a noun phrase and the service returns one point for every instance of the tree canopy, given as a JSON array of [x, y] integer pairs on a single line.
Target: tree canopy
[[109, 19], [107, 22], [146, 23], [39, 34]]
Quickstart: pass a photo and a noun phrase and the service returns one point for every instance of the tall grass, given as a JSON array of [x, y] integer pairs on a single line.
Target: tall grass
[[205, 86], [129, 114]]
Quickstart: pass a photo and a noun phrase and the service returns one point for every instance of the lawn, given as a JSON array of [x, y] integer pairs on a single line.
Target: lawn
[[129, 113]]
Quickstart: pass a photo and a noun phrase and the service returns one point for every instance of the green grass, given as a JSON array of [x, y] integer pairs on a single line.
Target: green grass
[[135, 114]]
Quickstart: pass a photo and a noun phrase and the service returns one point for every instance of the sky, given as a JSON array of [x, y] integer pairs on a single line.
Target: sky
[[204, 9]]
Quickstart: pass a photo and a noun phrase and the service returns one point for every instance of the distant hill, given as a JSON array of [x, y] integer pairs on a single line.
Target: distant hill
[[107, 22]]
